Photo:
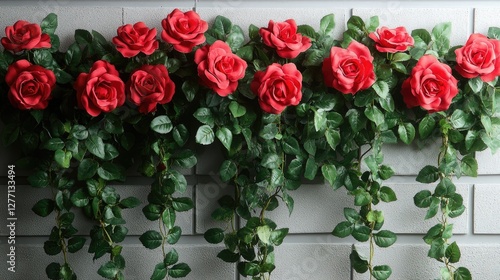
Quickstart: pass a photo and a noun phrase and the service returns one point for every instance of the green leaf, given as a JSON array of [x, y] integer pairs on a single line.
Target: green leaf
[[362, 197], [171, 257], [426, 126], [445, 188], [375, 115], [384, 238], [108, 270], [236, 109], [235, 39], [469, 166], [422, 34], [329, 172], [179, 270], [79, 198], [205, 135], [228, 170], [291, 146], [181, 204], [152, 212], [161, 124], [385, 172], [248, 268], [151, 239], [214, 235], [333, 138], [433, 208], [461, 120], [53, 144], [423, 199], [437, 249], [52, 271], [225, 136], [189, 87], [441, 36], [311, 169], [306, 30], [343, 229], [111, 172], [87, 169], [462, 273], [494, 32], [314, 57], [270, 160], [63, 158], [264, 234], [381, 88], [39, 179], [228, 256], [49, 24], [428, 174], [381, 272], [43, 207], [387, 194], [453, 253], [406, 132], [160, 272], [319, 120], [356, 120], [361, 233], [168, 217], [359, 264], [130, 202], [327, 24], [95, 146], [277, 236], [75, 244]]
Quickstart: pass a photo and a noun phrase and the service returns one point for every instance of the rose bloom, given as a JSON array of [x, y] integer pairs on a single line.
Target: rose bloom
[[392, 40], [133, 39], [349, 70], [479, 57], [150, 85], [184, 30], [277, 87], [24, 35], [101, 90], [430, 85], [30, 85], [283, 37], [218, 68]]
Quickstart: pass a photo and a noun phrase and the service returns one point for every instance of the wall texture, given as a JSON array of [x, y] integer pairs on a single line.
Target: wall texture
[[310, 251]]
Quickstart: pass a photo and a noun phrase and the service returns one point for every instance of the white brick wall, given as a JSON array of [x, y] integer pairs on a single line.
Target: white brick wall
[[309, 252]]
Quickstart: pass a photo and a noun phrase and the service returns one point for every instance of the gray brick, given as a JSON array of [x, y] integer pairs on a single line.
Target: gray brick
[[486, 208]]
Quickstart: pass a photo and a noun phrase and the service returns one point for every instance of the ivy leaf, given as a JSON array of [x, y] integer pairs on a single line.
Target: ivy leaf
[[329, 172], [95, 146], [462, 273], [327, 24], [469, 166], [225, 136], [426, 126], [228, 256], [406, 132], [43, 207], [87, 169], [189, 87], [387, 194], [63, 158], [39, 179], [205, 135], [171, 258], [49, 24], [214, 235], [179, 270], [228, 170], [248, 268], [291, 146], [75, 244], [311, 169], [108, 270], [381, 272], [130, 202], [160, 272], [343, 229], [168, 217], [423, 199], [428, 174], [433, 208], [453, 253], [359, 264], [361, 233], [384, 238], [181, 204], [161, 124], [151, 239]]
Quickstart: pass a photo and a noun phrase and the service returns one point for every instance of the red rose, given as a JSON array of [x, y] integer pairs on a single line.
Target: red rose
[[24, 35], [283, 37], [479, 57], [218, 68], [133, 39], [430, 86], [392, 40], [30, 85], [349, 70], [184, 30], [150, 85], [277, 87], [101, 90]]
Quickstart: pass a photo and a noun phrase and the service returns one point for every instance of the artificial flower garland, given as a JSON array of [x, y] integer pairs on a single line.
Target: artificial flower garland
[[286, 105]]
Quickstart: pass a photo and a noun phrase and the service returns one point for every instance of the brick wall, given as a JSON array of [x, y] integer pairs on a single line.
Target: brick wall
[[310, 251]]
